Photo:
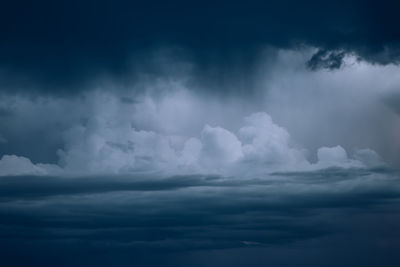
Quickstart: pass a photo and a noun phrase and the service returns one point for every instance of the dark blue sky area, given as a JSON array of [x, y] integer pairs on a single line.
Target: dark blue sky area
[[63, 43]]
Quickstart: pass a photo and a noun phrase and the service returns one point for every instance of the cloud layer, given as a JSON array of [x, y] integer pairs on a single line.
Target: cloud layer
[[168, 127], [217, 133], [192, 219], [108, 146], [42, 50]]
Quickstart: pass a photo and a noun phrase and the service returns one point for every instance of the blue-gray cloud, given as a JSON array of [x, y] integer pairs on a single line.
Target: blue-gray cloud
[[59, 48], [170, 127], [199, 134], [188, 214]]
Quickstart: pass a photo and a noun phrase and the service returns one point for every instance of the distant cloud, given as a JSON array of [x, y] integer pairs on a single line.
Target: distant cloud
[[104, 146], [14, 165], [166, 125]]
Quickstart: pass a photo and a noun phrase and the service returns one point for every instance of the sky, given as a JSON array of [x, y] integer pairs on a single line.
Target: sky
[[212, 133]]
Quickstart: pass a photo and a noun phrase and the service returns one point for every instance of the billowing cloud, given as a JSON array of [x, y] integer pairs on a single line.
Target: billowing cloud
[[220, 147], [220, 133], [169, 127], [14, 165], [107, 146], [267, 143]]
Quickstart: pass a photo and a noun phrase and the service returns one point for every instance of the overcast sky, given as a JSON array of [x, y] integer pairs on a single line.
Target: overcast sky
[[212, 133]]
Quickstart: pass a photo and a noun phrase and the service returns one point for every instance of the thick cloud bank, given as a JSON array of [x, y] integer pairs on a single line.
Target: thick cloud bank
[[290, 218], [283, 172], [60, 46], [104, 145], [289, 118]]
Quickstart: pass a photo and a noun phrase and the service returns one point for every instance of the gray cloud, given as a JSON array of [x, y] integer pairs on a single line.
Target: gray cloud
[[292, 172], [192, 213], [326, 59], [108, 146], [163, 126], [60, 55], [212, 134]]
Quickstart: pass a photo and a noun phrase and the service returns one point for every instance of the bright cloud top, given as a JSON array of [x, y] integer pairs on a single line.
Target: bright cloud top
[[105, 145], [169, 126]]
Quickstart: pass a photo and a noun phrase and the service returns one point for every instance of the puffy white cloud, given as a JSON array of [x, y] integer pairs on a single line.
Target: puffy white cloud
[[267, 143], [337, 157], [111, 145], [103, 148], [332, 155], [220, 147], [368, 157], [15, 165]]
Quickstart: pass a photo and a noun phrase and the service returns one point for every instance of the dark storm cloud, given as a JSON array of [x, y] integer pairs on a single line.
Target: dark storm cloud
[[326, 60], [57, 45], [189, 208], [26, 187], [45, 219], [339, 216]]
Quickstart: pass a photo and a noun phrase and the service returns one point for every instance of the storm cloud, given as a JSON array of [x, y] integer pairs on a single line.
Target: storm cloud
[[61, 48], [168, 125], [213, 133], [183, 214]]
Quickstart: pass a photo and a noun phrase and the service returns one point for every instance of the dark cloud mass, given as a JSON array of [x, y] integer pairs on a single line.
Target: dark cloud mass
[[178, 220], [326, 59], [60, 45]]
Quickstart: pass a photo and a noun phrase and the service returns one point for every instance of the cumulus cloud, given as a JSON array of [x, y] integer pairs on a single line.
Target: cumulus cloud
[[368, 157], [220, 147], [267, 143], [335, 156], [14, 165], [171, 128], [106, 145]]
